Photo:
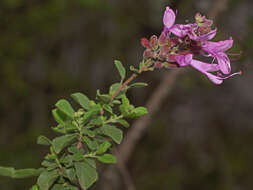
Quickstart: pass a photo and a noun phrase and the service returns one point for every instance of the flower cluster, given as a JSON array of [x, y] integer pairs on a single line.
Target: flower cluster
[[179, 43]]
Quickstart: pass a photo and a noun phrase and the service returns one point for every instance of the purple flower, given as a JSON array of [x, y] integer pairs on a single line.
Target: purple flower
[[205, 68], [169, 17], [217, 50], [198, 31], [189, 40]]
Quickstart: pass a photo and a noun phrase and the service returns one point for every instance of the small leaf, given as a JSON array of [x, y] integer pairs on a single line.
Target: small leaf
[[116, 102], [78, 156], [114, 88], [24, 173], [92, 144], [134, 69], [64, 128], [70, 174], [60, 143], [42, 140], [91, 162], [82, 100], [47, 179], [49, 165], [138, 85], [7, 171], [121, 69], [108, 108], [103, 147], [65, 107], [123, 122], [59, 116], [138, 112], [88, 132], [93, 111], [21, 173], [87, 175], [104, 98], [107, 159], [113, 132], [58, 187], [35, 187]]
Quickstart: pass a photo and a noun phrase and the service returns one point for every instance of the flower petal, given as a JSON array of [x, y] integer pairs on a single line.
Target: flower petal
[[184, 60], [206, 67], [220, 46], [224, 62], [169, 18], [204, 37], [181, 30]]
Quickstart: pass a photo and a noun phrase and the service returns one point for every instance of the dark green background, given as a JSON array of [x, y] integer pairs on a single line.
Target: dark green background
[[202, 137]]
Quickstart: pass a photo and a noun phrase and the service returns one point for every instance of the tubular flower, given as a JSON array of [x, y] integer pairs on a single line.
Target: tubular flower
[[179, 43]]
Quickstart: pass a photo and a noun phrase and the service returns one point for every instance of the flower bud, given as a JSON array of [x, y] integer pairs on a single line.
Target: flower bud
[[145, 43], [164, 52], [154, 42], [148, 54], [162, 39]]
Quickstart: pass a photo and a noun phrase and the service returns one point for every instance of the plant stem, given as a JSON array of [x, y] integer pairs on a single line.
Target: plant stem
[[132, 77]]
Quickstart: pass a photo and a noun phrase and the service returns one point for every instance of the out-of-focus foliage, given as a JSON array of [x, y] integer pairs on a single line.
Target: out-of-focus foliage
[[202, 136]]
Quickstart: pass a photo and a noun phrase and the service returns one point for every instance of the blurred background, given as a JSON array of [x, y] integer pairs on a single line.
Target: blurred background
[[200, 138]]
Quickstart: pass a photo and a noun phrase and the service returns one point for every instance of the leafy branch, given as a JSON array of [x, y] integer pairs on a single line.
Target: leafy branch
[[86, 135]]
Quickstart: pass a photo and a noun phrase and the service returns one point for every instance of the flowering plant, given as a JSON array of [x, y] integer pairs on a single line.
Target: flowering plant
[[179, 43], [88, 133]]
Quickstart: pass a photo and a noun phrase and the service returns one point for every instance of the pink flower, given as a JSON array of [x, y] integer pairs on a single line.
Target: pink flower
[[205, 68], [217, 50], [169, 17], [197, 31]]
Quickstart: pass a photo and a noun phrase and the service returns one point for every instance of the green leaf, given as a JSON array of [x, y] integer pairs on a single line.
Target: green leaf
[[104, 98], [134, 69], [35, 187], [49, 165], [7, 171], [91, 162], [88, 132], [47, 179], [114, 88], [113, 132], [107, 159], [86, 174], [42, 140], [92, 144], [93, 111], [103, 147], [121, 69], [73, 188], [70, 174], [58, 187], [65, 107], [64, 128], [21, 173], [108, 108], [59, 116], [59, 143], [116, 102], [138, 85], [125, 100], [123, 122], [138, 112], [78, 156], [24, 173], [82, 100]]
